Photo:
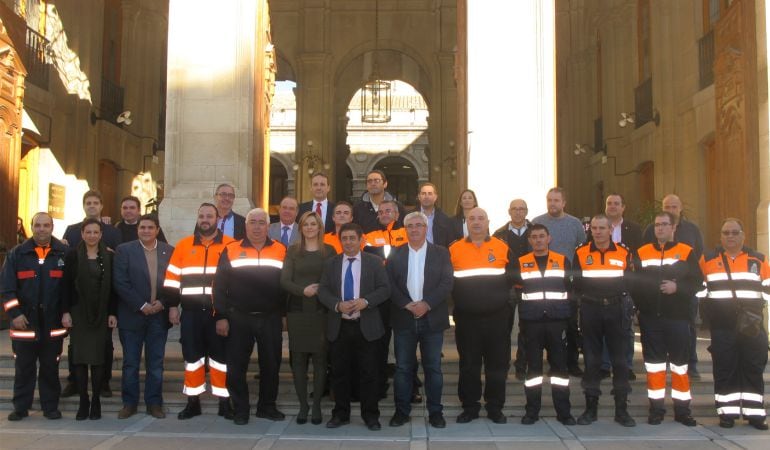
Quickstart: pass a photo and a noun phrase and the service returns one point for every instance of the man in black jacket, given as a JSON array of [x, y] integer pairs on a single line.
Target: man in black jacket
[[439, 229], [365, 210], [421, 278], [230, 223], [319, 186]]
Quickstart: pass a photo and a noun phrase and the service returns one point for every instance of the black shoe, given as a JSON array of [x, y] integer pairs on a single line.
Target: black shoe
[[467, 416], [631, 375], [270, 414], [655, 419], [529, 420], [52, 415], [497, 417], [241, 420], [225, 409], [759, 424], [436, 420], [373, 425], [604, 374], [416, 397], [302, 415], [192, 409], [726, 422], [575, 371], [567, 421], [687, 420], [83, 409], [398, 419], [316, 420], [336, 422], [16, 416], [624, 419], [96, 409], [693, 373], [106, 391]]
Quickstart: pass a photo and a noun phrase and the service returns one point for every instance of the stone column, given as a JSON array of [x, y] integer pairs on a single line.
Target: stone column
[[511, 103], [209, 119]]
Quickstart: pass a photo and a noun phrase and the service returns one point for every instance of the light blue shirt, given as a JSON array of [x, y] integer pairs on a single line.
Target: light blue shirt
[[227, 225]]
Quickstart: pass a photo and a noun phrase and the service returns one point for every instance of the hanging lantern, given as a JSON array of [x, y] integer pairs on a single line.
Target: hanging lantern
[[375, 93]]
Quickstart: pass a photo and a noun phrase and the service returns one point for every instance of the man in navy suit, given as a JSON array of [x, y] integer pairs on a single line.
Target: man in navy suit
[[319, 186], [138, 274], [421, 279], [352, 286], [228, 222], [285, 230]]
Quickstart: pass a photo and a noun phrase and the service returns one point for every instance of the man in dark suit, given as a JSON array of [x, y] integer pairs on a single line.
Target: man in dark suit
[[352, 286], [128, 226], [421, 278], [285, 230], [440, 231], [230, 223], [139, 272], [319, 186]]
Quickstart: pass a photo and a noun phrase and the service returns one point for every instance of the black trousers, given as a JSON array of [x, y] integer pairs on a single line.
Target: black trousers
[[546, 335], [573, 339], [28, 354], [245, 330], [109, 349], [739, 363], [611, 323], [351, 345], [483, 340]]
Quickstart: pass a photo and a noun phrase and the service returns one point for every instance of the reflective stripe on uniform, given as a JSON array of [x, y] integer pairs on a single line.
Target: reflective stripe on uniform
[[752, 397], [727, 398], [21, 334], [171, 283], [680, 395], [656, 394], [256, 262], [753, 412], [532, 382], [199, 270], [679, 370], [196, 290], [729, 410], [10, 304], [602, 273], [557, 381], [544, 295], [174, 269], [654, 367], [479, 272]]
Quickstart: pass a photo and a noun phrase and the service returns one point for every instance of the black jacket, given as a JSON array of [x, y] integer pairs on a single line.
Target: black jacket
[[365, 215], [519, 245], [652, 265], [328, 220]]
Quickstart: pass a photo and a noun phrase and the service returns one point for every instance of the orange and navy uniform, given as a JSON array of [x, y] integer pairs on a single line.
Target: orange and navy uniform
[[248, 280], [664, 319], [32, 280], [381, 241], [483, 275], [739, 360], [191, 271], [189, 277], [600, 274], [545, 290]]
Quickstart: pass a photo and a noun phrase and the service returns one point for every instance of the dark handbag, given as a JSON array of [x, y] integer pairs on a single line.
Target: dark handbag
[[748, 323]]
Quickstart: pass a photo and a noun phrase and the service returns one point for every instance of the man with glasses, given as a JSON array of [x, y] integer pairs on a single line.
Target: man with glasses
[[365, 211], [667, 276], [737, 286], [686, 233], [228, 222], [516, 234]]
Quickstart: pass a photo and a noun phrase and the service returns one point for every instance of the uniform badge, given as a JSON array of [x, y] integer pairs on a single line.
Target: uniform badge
[[529, 265], [589, 260], [192, 252], [491, 258], [554, 265], [754, 267], [242, 255], [677, 256], [60, 263]]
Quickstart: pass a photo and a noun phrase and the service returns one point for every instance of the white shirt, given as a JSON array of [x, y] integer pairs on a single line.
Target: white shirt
[[616, 232], [415, 278], [518, 231], [356, 281]]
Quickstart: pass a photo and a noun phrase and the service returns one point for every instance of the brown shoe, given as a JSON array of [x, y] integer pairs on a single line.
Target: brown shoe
[[127, 411], [156, 411]]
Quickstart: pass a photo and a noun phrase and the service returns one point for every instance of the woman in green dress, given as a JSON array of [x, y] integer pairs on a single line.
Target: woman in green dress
[[91, 312], [306, 315]]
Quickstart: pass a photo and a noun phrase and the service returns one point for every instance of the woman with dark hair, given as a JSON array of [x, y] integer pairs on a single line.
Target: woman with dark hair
[[21, 233], [91, 312], [465, 203], [306, 316]]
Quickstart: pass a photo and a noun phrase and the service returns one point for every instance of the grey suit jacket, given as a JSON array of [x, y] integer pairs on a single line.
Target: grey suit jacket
[[374, 287], [274, 232], [438, 278], [131, 283]]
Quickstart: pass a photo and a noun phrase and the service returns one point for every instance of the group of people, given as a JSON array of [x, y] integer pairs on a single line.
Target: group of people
[[345, 280]]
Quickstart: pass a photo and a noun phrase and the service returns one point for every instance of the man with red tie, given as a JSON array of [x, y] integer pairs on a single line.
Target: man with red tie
[[319, 186]]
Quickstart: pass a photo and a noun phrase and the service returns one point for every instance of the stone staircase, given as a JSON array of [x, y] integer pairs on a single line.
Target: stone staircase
[[702, 390]]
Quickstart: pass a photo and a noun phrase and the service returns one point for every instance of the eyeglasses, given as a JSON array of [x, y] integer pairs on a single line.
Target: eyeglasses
[[518, 209], [225, 195], [731, 232], [412, 226], [662, 224], [374, 180]]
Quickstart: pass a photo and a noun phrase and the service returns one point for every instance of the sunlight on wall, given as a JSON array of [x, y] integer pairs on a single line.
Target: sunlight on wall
[[511, 104], [65, 60]]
